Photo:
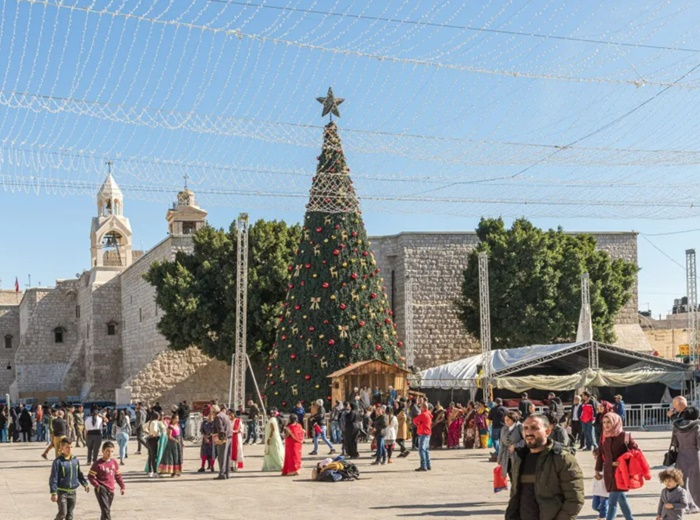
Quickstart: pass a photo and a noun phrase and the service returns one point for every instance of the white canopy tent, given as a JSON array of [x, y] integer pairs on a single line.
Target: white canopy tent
[[586, 363]]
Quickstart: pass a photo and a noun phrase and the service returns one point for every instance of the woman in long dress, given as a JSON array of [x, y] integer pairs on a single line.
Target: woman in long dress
[[273, 459], [470, 432], [293, 439], [237, 457], [171, 461], [156, 442], [437, 434], [482, 425], [353, 425], [686, 440], [454, 430]]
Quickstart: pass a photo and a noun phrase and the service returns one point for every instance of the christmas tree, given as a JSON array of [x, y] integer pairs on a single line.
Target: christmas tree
[[336, 311]]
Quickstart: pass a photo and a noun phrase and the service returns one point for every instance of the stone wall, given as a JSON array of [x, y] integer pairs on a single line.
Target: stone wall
[[10, 297], [41, 363], [104, 353], [176, 375], [434, 262], [140, 339], [9, 326]]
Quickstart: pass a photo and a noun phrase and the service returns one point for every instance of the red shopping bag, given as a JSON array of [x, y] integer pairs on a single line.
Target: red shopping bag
[[499, 481]]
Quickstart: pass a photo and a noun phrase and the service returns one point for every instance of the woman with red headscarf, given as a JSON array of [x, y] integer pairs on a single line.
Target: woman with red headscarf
[[614, 443]]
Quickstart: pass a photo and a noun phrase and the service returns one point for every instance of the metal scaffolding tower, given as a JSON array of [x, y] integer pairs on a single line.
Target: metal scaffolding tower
[[485, 317], [585, 321], [240, 358], [408, 321], [692, 287]]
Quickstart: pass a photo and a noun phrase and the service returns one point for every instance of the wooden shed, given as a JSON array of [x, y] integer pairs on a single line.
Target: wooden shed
[[370, 373]]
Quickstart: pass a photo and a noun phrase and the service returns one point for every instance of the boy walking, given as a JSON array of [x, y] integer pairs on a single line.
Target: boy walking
[[65, 479], [103, 474]]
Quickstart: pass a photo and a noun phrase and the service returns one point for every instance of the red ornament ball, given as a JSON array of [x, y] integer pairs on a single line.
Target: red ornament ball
[[373, 295], [354, 233], [293, 356], [353, 276], [307, 377], [308, 266], [365, 253], [331, 342], [319, 229], [311, 328], [336, 252], [362, 324], [342, 306], [378, 348], [297, 307], [325, 285]]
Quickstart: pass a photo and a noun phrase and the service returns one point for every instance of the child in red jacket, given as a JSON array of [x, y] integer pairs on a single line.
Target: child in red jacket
[[103, 474]]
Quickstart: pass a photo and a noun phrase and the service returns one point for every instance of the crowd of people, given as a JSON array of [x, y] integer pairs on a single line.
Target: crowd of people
[[534, 447]]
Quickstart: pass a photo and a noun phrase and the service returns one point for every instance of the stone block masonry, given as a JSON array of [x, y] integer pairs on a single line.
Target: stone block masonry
[[434, 263], [9, 342]]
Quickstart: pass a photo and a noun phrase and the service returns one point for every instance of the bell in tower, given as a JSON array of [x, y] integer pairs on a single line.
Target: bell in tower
[[110, 234]]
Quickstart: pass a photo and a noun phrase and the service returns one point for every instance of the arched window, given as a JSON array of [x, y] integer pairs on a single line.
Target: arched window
[[8, 341], [58, 334]]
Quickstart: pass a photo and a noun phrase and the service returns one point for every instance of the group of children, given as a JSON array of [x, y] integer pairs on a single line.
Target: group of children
[[674, 498], [67, 477]]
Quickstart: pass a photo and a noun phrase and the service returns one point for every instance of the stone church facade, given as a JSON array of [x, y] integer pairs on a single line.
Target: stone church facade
[[90, 336], [94, 336]]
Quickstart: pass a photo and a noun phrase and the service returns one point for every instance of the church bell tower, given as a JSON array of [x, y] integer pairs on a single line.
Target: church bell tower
[[110, 234]]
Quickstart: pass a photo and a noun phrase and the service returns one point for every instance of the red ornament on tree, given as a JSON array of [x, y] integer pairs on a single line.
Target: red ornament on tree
[[331, 342], [373, 295], [325, 285], [362, 324], [336, 252], [307, 377], [378, 347], [293, 356], [353, 276], [342, 306], [319, 229]]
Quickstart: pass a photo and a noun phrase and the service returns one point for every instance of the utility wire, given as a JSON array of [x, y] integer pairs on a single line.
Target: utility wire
[[663, 253], [458, 27]]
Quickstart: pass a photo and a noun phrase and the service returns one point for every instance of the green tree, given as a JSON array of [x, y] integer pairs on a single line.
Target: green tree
[[336, 311], [535, 285], [197, 291]]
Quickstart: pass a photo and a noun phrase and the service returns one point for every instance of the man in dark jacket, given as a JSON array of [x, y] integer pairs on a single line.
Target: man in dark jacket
[[524, 407], [253, 412], [496, 416], [547, 480], [556, 407]]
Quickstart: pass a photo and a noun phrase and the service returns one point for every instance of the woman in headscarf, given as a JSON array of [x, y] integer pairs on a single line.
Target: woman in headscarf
[[614, 443], [273, 459], [206, 450], [470, 431], [685, 439], [511, 439], [437, 434], [353, 425], [602, 408], [456, 424]]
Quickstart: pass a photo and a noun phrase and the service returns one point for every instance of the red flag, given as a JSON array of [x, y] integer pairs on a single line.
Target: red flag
[[16, 285]]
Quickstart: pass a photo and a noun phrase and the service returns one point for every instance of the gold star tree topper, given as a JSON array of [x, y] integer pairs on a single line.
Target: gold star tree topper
[[330, 103]]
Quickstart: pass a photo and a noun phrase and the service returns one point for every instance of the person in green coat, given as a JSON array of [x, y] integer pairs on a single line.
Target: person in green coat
[[547, 481]]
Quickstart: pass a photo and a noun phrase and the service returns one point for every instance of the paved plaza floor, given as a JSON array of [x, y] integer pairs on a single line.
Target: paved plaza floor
[[459, 485]]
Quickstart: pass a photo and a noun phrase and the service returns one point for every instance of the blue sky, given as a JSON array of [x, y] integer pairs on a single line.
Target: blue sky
[[583, 115]]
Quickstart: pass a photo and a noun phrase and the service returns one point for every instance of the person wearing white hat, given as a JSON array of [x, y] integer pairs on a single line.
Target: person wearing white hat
[[318, 422]]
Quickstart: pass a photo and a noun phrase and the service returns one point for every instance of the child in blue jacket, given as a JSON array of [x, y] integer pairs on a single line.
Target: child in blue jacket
[[65, 479]]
